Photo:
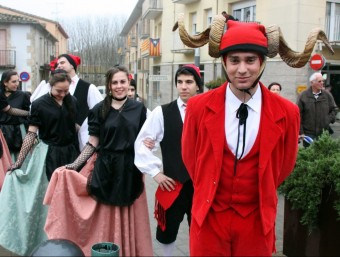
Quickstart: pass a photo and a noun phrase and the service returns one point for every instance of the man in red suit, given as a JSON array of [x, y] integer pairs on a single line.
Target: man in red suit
[[239, 143]]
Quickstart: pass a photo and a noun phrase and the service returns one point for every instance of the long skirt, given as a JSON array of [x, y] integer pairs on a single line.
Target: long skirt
[[5, 160], [22, 215], [76, 216]]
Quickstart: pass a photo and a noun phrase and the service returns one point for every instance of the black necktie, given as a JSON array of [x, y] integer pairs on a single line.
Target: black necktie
[[242, 115]]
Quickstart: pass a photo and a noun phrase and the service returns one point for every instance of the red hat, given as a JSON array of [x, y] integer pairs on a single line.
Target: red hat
[[53, 64], [194, 70], [73, 60], [244, 36]]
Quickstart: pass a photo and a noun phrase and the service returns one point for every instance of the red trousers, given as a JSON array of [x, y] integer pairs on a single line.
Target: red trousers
[[227, 233]]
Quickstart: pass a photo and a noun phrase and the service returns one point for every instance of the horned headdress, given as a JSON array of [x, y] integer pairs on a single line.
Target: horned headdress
[[275, 43]]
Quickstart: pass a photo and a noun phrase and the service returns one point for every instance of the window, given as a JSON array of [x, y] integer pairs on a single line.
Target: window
[[208, 15], [245, 11], [333, 20], [193, 17]]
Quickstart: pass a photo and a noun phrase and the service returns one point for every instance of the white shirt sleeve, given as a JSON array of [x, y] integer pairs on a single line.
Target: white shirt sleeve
[[153, 128], [42, 89], [93, 96]]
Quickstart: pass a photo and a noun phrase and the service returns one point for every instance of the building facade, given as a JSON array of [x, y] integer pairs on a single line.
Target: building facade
[[153, 52], [28, 43]]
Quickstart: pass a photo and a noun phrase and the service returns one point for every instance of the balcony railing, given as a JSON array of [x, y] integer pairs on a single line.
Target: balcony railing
[[7, 59], [152, 9], [333, 28]]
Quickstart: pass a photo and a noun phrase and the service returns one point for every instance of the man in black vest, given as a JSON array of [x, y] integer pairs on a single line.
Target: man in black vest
[[164, 126], [86, 93]]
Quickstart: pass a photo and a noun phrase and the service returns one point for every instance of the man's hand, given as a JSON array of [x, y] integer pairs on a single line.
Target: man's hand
[[149, 143], [165, 182], [301, 137]]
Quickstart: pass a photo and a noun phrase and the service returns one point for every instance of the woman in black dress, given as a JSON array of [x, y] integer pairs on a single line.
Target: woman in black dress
[[13, 127], [52, 124], [118, 212]]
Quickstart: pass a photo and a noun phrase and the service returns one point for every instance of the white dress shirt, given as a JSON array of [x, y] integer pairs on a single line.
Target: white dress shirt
[[252, 122], [153, 128]]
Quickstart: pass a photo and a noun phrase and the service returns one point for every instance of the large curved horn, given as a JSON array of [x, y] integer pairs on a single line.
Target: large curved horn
[[191, 41], [272, 33], [296, 59], [215, 36]]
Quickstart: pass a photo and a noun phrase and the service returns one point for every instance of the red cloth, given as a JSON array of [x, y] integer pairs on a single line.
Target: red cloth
[[163, 201], [237, 236]]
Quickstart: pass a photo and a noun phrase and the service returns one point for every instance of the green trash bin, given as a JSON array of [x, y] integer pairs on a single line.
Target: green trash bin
[[105, 249]]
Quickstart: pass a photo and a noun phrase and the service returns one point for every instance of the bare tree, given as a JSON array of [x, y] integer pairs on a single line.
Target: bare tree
[[97, 41]]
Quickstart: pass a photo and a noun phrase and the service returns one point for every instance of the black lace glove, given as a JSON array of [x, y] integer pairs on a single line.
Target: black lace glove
[[25, 148], [82, 158], [17, 112]]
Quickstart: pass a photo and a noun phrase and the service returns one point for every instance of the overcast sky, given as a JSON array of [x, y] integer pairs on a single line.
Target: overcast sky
[[62, 9]]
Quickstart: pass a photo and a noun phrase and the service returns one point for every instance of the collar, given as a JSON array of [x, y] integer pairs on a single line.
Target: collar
[[75, 79], [254, 103], [180, 103]]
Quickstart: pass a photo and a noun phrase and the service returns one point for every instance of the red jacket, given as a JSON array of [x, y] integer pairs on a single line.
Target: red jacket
[[203, 140]]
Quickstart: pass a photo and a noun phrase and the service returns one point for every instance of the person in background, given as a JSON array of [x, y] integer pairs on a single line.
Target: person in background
[[53, 115], [5, 157], [275, 87], [13, 127], [86, 93], [164, 126], [237, 150], [317, 109], [44, 87], [109, 188], [132, 94], [228, 17]]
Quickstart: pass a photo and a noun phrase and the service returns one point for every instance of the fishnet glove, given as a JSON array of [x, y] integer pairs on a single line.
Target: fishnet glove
[[17, 112], [82, 158], [25, 148]]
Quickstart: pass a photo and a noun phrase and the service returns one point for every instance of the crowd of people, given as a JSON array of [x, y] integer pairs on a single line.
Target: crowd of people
[[77, 169]]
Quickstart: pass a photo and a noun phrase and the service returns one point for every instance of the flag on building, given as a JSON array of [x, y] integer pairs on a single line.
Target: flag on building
[[155, 49]]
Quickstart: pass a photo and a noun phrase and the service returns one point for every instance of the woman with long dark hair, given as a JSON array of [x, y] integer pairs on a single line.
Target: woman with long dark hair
[[13, 127], [110, 188], [52, 138]]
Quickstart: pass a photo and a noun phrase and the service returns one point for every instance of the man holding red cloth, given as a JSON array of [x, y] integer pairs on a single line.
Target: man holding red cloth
[[239, 143], [164, 126]]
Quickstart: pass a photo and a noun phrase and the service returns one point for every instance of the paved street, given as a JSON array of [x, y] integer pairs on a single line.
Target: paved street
[[182, 248]]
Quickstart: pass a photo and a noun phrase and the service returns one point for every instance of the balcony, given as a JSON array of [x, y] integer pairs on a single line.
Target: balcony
[[179, 47], [152, 9], [7, 59], [184, 1]]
